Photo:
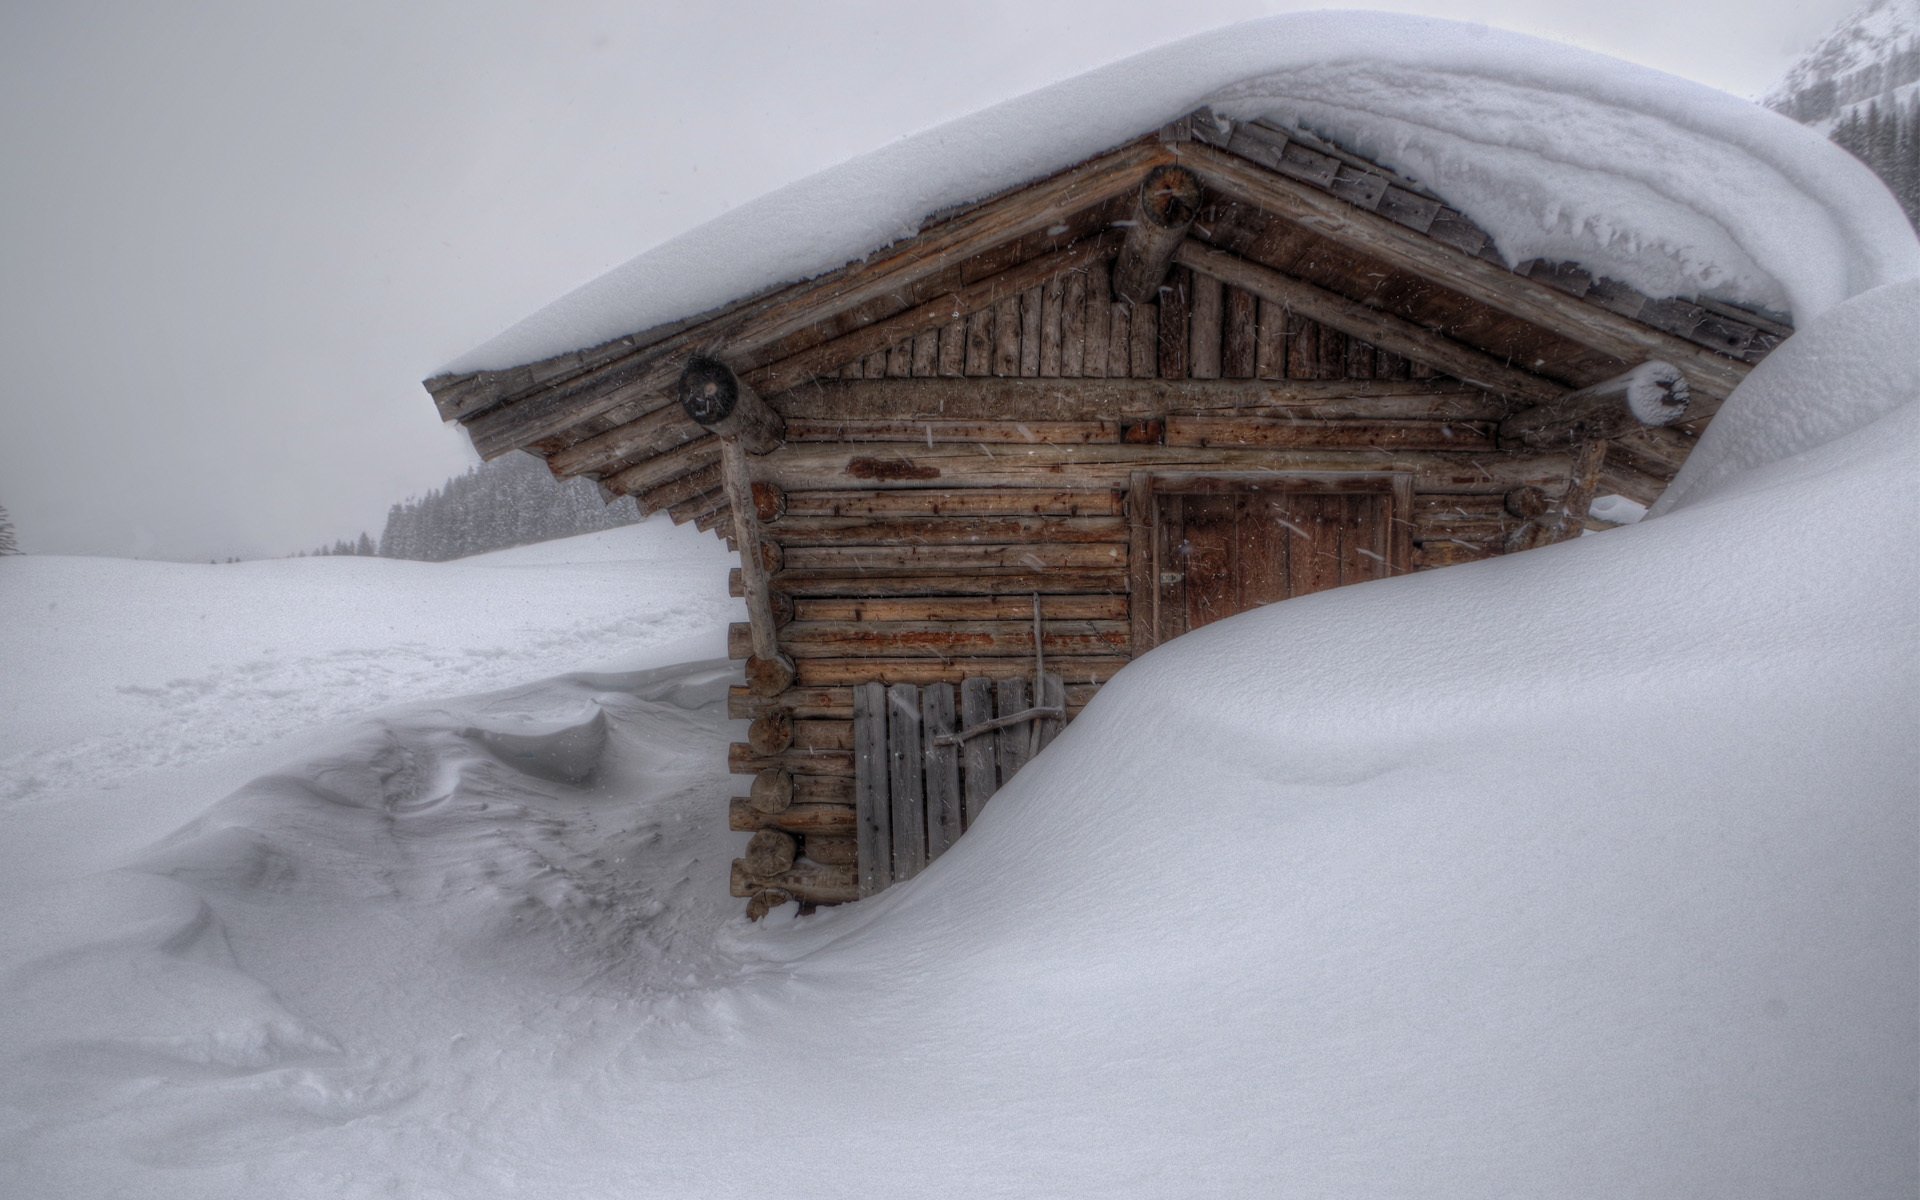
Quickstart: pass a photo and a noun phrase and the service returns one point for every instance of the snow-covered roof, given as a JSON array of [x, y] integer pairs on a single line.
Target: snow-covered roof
[[1560, 154]]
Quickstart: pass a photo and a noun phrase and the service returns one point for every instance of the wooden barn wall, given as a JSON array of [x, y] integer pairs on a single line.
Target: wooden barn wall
[[908, 542]]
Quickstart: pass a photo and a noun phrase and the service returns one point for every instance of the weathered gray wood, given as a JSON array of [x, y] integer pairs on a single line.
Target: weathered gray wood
[[715, 398], [774, 671], [857, 406], [1207, 307], [982, 767], [906, 775], [870, 778], [1168, 201], [837, 820], [1053, 695], [1015, 742], [1652, 394], [1397, 334], [770, 852], [808, 882], [945, 814]]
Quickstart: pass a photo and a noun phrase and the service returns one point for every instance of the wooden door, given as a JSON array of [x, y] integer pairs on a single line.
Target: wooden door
[[1219, 545]]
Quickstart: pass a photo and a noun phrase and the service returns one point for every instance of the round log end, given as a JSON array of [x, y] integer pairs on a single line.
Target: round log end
[[782, 606], [708, 390], [769, 676], [1527, 502], [771, 731], [769, 853], [1170, 197], [1657, 393], [772, 558], [769, 501], [772, 791], [765, 901]]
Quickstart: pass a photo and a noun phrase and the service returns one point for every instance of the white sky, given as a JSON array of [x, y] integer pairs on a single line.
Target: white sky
[[235, 236]]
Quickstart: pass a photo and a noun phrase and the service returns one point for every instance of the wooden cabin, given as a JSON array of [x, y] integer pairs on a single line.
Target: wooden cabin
[[974, 474]]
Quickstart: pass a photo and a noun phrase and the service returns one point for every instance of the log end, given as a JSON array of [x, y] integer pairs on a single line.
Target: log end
[[765, 901], [708, 390], [1170, 197], [772, 791], [770, 852], [770, 676], [1657, 393]]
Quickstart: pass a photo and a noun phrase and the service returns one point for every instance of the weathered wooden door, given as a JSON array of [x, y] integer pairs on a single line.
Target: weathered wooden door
[[1207, 547]]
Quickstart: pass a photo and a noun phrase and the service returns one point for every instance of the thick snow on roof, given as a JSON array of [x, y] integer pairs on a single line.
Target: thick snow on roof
[[1668, 185]]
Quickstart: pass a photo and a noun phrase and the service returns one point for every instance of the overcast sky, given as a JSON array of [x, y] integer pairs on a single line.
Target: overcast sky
[[235, 236]]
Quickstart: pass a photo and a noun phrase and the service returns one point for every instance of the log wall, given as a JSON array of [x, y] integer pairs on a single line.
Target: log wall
[[928, 492]]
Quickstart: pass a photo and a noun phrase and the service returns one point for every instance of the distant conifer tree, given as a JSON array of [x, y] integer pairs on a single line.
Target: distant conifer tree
[[9, 541]]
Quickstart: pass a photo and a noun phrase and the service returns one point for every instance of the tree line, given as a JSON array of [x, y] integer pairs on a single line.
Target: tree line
[[512, 501], [1888, 141]]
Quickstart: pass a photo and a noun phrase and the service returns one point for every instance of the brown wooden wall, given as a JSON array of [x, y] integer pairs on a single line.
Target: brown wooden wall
[[925, 494]]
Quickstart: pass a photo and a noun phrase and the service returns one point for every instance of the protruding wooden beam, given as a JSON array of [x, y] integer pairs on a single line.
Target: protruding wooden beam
[[1653, 393], [1168, 201], [1569, 517], [769, 672], [1394, 334], [714, 397]]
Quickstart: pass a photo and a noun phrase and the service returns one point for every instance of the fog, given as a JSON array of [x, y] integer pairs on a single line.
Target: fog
[[235, 236]]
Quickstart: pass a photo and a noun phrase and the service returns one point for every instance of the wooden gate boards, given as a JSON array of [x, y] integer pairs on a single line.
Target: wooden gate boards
[[1209, 546], [927, 759]]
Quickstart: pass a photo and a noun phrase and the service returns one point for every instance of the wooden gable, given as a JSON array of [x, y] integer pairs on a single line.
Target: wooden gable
[[1060, 426]]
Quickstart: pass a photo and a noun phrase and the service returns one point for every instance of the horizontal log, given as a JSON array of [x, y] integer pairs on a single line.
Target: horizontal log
[[826, 820], [962, 608], [836, 703], [851, 639], [839, 672], [694, 456], [807, 882], [1284, 434], [969, 502], [833, 851], [1448, 553], [741, 760], [798, 468], [932, 431], [1652, 394], [866, 584], [850, 531], [1391, 333], [1044, 400], [1034, 556]]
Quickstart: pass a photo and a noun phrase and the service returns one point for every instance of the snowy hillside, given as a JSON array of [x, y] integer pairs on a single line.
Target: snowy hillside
[[1874, 55]]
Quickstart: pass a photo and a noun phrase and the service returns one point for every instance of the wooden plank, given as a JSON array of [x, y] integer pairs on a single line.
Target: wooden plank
[[741, 760], [978, 358], [1120, 341], [1006, 334], [1205, 340], [902, 639], [1012, 744], [1144, 353], [829, 820], [832, 672], [836, 704], [1270, 342], [945, 816], [962, 608], [1303, 346], [1381, 328], [798, 468], [1099, 320], [971, 502], [1240, 334], [857, 583], [933, 531], [1330, 435], [1073, 326], [926, 354], [1054, 695], [832, 851], [1176, 337], [953, 350], [807, 882], [1030, 302], [1051, 318], [696, 455], [906, 781], [982, 769], [874, 815], [860, 405], [1022, 557]]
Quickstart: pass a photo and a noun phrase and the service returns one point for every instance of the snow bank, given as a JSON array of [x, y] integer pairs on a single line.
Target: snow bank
[[1587, 872], [1559, 153]]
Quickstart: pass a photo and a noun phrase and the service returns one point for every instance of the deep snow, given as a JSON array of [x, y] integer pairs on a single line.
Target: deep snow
[[1586, 872], [1558, 153]]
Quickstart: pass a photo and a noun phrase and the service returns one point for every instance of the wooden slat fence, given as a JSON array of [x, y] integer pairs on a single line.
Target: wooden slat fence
[[927, 758]]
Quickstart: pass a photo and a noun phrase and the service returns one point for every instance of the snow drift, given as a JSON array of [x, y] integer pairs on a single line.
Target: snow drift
[[1558, 153]]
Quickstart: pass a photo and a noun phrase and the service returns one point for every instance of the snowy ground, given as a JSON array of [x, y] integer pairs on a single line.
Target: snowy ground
[[1586, 872]]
